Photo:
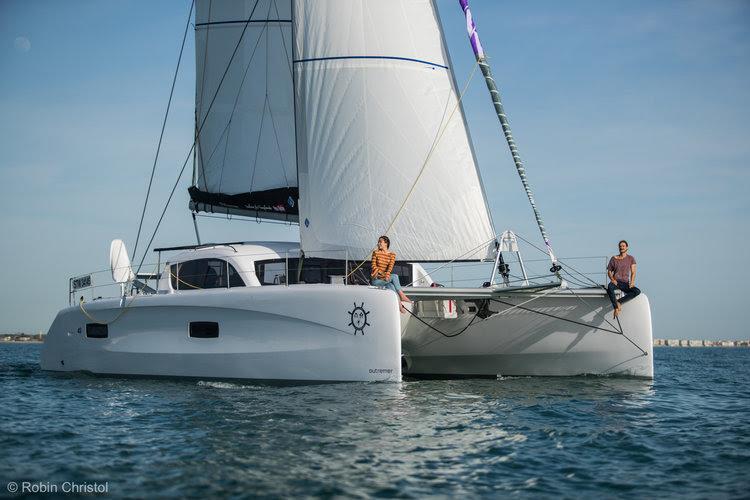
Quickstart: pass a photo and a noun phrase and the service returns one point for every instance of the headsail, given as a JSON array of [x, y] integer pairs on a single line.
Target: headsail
[[245, 161], [374, 94]]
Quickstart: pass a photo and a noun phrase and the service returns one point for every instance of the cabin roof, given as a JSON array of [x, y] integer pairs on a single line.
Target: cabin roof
[[257, 250]]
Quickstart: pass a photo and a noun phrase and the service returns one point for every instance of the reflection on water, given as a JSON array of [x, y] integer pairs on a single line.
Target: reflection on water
[[558, 436]]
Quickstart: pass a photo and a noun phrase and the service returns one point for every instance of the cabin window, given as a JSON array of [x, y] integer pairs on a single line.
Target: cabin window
[[97, 331], [204, 329], [234, 277], [317, 270], [272, 272], [201, 274]]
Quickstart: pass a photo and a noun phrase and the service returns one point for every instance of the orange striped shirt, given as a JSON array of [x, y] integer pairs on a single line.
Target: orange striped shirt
[[382, 264]]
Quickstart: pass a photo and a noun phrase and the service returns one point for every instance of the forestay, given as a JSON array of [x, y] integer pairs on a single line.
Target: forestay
[[245, 153], [374, 92]]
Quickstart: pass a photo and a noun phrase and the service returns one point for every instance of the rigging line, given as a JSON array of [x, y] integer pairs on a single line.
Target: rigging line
[[559, 260], [257, 146], [629, 339], [424, 164], [283, 42], [218, 87], [557, 317], [447, 335], [122, 311], [270, 111], [278, 144], [236, 101], [470, 251], [573, 279], [218, 143], [166, 205], [602, 315], [597, 285], [203, 122], [265, 104], [199, 109], [432, 150], [163, 127], [539, 296], [452, 261]]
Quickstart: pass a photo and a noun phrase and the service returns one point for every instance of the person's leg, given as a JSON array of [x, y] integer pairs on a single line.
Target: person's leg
[[630, 293], [397, 284], [611, 292], [378, 282]]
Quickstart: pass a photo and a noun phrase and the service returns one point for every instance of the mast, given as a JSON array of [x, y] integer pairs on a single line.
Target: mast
[[476, 46]]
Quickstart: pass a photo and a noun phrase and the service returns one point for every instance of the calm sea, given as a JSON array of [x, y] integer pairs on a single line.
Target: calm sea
[[685, 434]]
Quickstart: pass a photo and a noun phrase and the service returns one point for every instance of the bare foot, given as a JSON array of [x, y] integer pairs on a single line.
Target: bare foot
[[617, 312], [404, 298], [403, 309]]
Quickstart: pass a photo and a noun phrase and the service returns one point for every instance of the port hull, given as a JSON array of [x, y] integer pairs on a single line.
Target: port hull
[[300, 332]]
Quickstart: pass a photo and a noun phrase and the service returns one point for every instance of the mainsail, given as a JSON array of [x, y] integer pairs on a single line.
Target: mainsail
[[245, 160], [375, 94]]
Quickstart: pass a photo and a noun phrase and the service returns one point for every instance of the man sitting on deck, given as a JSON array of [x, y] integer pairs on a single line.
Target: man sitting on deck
[[621, 273]]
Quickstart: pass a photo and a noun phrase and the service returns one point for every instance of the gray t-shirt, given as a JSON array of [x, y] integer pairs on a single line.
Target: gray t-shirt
[[621, 267]]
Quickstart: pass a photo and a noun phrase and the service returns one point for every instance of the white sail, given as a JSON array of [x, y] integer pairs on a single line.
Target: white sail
[[245, 154], [374, 92]]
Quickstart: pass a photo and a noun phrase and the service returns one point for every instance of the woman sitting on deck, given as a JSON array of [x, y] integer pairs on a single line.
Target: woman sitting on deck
[[382, 267]]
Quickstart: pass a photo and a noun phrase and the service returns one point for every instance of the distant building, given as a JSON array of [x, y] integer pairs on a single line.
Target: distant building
[[673, 342], [695, 343]]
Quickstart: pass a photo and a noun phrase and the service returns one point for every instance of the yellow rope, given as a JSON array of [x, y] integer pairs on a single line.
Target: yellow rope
[[122, 310], [441, 131]]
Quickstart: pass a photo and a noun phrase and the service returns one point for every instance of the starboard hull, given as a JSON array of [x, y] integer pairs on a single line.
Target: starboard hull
[[295, 333], [576, 335]]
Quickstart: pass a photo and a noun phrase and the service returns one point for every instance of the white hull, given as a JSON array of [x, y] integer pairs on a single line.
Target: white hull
[[303, 332], [300, 332], [520, 342]]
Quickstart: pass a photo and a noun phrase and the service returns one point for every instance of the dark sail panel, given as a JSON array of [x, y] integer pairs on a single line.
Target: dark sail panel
[[245, 158]]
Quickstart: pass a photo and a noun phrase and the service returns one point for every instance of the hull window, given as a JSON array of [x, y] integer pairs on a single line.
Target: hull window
[[97, 331], [204, 329]]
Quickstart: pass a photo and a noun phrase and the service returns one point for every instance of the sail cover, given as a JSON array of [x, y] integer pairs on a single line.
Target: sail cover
[[245, 152], [374, 94]]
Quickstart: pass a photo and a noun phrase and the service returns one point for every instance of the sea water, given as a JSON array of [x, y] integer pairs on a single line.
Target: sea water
[[684, 434]]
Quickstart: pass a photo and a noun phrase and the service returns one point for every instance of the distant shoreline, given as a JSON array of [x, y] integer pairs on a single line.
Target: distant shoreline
[[2, 341], [700, 343]]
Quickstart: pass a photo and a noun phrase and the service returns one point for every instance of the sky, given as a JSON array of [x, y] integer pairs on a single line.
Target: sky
[[631, 118]]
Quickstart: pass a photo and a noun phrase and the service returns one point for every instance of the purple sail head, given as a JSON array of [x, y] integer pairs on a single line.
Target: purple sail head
[[471, 28]]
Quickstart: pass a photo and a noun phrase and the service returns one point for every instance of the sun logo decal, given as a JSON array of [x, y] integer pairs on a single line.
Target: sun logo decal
[[358, 318]]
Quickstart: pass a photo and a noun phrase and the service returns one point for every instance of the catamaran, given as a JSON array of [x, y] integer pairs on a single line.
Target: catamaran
[[342, 117]]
